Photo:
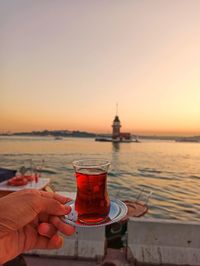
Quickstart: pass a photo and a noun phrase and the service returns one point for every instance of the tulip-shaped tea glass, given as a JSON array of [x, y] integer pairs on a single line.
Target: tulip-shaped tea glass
[[92, 201]]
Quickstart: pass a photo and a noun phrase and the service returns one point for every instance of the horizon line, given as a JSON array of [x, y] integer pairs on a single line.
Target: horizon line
[[142, 132]]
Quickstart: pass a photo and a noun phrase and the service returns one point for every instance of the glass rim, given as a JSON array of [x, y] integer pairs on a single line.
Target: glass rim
[[94, 162]]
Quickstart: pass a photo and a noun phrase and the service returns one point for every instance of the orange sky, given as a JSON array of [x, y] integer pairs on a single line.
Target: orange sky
[[64, 65]]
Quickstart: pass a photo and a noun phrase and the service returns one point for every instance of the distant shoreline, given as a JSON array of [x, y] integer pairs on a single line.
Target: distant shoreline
[[53, 133], [83, 134]]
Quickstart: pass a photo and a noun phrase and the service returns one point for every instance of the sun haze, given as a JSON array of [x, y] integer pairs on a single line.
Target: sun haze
[[65, 64]]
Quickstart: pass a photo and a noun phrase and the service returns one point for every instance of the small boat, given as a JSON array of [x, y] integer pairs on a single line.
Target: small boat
[[137, 139], [58, 138]]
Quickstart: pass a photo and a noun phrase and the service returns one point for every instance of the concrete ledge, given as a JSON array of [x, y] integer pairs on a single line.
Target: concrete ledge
[[87, 243], [91, 243], [69, 249], [50, 261], [157, 241], [114, 257]]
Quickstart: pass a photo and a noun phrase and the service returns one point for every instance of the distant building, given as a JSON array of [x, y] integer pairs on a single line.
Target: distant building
[[116, 134]]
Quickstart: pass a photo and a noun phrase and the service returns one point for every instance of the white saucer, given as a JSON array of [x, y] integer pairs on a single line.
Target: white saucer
[[118, 210]]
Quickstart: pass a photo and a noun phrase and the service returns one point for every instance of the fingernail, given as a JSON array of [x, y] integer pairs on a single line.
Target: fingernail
[[58, 240], [62, 241], [73, 230]]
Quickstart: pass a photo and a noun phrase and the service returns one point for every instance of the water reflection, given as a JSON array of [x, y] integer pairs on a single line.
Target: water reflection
[[115, 164], [116, 146]]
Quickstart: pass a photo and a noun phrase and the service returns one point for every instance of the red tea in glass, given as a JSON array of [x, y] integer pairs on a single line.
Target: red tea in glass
[[92, 201]]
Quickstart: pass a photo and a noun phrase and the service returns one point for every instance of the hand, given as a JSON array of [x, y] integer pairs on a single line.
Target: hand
[[29, 219]]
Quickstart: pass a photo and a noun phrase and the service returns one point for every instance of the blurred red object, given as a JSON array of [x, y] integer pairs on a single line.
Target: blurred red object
[[37, 177], [17, 181]]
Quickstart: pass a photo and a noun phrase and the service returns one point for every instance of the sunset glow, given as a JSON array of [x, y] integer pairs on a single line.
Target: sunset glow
[[65, 64]]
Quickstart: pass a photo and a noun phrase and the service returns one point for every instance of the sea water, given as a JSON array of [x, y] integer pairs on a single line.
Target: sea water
[[170, 170]]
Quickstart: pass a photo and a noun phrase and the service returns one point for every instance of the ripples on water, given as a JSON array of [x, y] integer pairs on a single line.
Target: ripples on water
[[170, 170]]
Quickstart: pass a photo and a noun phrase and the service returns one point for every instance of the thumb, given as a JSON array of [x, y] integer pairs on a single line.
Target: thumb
[[53, 207]]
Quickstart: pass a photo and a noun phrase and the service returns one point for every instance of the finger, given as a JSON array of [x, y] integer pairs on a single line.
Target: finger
[[53, 207], [61, 226], [45, 243], [43, 217], [56, 196], [46, 229]]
